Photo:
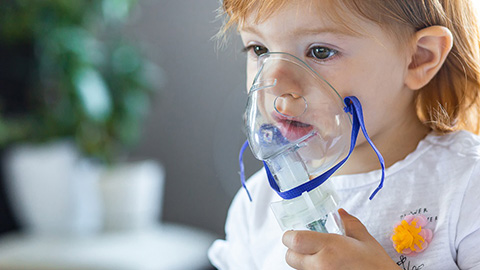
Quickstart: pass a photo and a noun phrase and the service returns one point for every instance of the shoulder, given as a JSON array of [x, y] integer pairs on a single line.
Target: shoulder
[[460, 165], [259, 190], [460, 142], [454, 158], [257, 180], [245, 217]]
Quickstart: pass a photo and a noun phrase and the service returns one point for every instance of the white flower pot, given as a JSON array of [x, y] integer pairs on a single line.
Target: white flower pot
[[53, 189], [132, 195]]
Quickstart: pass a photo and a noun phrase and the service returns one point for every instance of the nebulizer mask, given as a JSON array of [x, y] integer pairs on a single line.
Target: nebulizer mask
[[302, 130]]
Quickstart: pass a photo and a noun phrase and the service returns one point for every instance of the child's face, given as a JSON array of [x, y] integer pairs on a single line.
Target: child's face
[[370, 65]]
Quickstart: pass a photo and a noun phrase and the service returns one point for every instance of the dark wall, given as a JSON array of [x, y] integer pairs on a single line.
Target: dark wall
[[195, 127]]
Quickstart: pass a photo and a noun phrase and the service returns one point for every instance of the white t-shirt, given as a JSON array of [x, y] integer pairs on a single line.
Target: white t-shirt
[[440, 180]]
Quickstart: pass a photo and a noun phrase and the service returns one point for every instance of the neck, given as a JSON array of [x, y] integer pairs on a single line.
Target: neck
[[394, 145]]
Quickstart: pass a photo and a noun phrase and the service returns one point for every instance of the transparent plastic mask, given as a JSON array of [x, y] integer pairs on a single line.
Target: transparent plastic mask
[[295, 120]]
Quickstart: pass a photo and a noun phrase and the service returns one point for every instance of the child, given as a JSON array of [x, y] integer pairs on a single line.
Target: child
[[414, 65]]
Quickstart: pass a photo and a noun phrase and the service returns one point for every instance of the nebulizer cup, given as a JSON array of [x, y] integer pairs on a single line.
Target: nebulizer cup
[[296, 124]]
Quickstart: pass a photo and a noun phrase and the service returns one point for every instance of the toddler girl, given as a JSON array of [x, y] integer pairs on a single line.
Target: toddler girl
[[414, 65]]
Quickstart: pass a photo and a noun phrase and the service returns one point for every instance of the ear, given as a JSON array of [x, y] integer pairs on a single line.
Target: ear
[[431, 47]]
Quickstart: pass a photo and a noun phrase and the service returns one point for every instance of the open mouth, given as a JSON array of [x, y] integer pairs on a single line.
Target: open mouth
[[293, 129]]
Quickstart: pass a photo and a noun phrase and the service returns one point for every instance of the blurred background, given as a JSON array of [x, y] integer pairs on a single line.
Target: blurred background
[[120, 126]]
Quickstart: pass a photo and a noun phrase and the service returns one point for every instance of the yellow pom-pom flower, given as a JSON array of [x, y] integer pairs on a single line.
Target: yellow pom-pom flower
[[409, 237]]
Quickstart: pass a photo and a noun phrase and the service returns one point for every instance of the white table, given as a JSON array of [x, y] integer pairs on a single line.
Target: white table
[[168, 246]]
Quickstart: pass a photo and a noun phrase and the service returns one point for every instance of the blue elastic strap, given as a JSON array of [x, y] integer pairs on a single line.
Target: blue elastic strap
[[353, 104], [242, 168], [353, 107]]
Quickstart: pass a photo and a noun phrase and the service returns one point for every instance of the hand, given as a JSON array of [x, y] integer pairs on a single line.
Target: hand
[[357, 249]]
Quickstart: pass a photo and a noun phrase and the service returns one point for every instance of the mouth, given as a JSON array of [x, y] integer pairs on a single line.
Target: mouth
[[292, 130]]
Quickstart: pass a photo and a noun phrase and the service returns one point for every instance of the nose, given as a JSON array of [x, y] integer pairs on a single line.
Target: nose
[[290, 104], [285, 82]]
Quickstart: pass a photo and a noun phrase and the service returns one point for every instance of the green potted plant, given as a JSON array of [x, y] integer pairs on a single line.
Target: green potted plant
[[71, 83]]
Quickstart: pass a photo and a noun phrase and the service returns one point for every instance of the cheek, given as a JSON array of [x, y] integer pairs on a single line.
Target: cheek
[[251, 73], [378, 85], [388, 101], [384, 84]]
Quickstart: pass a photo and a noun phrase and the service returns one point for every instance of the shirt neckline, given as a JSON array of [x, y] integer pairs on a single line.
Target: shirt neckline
[[361, 179]]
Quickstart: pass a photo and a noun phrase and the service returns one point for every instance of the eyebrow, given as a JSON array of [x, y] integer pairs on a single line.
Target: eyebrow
[[332, 30], [343, 31]]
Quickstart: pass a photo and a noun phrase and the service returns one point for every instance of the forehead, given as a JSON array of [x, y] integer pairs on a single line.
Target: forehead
[[309, 13]]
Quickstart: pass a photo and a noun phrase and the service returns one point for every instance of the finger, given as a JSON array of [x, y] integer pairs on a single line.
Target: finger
[[305, 242], [353, 226], [295, 260]]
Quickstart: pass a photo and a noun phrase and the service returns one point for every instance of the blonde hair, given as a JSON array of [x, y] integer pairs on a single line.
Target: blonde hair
[[451, 100]]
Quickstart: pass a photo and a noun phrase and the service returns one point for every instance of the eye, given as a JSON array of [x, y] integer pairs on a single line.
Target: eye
[[321, 53], [256, 49]]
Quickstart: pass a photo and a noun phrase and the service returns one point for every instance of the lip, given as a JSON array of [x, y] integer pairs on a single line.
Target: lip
[[291, 129]]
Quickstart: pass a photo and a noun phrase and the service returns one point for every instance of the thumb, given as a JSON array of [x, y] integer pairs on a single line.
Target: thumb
[[353, 226]]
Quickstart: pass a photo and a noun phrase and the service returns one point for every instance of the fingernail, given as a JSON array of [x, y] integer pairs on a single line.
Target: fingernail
[[287, 237]]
